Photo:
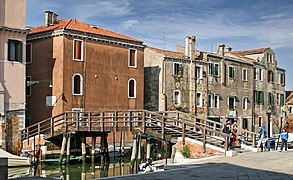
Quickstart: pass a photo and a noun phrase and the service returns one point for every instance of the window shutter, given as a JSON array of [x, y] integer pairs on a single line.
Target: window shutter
[[77, 49], [132, 58], [181, 69], [19, 52], [9, 50]]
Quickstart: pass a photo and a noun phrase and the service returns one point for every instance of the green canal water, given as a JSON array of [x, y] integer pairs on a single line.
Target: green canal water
[[72, 171]]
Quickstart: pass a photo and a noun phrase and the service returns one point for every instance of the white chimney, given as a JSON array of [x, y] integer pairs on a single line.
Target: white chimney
[[190, 46], [221, 49], [50, 18], [229, 49]]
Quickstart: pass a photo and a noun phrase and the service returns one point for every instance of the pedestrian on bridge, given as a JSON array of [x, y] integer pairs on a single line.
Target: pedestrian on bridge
[[284, 137]]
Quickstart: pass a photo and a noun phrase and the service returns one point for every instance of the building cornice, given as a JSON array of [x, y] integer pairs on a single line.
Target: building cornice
[[85, 36], [15, 30]]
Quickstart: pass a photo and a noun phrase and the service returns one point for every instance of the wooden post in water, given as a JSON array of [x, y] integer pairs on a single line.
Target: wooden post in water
[[173, 153], [62, 148], [83, 148], [106, 147], [132, 160], [102, 143], [122, 144], [68, 149], [93, 148]]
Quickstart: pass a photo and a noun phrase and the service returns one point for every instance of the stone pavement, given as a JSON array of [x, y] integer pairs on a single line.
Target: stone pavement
[[249, 165]]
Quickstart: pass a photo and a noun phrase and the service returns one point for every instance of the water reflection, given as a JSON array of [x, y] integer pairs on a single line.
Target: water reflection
[[83, 171]]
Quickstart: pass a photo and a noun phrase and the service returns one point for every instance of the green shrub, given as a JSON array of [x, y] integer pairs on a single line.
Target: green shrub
[[186, 151]]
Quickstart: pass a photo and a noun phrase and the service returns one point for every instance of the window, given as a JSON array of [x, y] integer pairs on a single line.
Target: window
[[77, 84], [231, 102], [244, 74], [231, 72], [278, 99], [211, 69], [270, 76], [28, 86], [132, 58], [260, 73], [217, 101], [245, 103], [259, 97], [198, 99], [198, 72], [245, 123], [271, 99], [290, 109], [14, 50], [176, 98], [259, 121], [131, 88], [177, 69], [216, 70], [255, 74], [211, 98], [77, 50], [28, 53], [282, 79]]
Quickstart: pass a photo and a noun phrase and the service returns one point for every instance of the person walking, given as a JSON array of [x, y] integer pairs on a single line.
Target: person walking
[[262, 134], [284, 137]]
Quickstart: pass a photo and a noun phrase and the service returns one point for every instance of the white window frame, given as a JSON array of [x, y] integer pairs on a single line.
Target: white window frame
[[179, 98], [233, 68], [229, 101], [244, 74], [131, 79], [135, 58], [216, 98], [31, 54], [260, 74], [73, 50], [199, 74], [245, 103], [77, 111], [81, 84], [217, 75], [211, 71], [255, 73], [199, 100], [177, 74]]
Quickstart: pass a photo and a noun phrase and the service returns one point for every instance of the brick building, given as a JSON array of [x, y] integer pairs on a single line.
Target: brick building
[[79, 67]]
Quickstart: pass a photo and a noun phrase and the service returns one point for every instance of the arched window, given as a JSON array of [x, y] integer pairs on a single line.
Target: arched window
[[131, 88], [77, 84], [176, 98]]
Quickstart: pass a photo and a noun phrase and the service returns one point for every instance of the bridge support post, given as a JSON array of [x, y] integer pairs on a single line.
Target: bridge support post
[[173, 153], [104, 149], [148, 153], [132, 160], [93, 148], [68, 149], [83, 148], [62, 148]]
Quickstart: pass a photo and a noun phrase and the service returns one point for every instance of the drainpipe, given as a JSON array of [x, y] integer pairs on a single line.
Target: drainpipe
[[164, 84], [253, 104]]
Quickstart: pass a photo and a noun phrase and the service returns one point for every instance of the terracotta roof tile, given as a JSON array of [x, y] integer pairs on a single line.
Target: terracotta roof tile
[[249, 52], [168, 53], [81, 27], [238, 57]]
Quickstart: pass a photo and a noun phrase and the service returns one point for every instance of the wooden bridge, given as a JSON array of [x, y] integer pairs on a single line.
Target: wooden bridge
[[163, 125]]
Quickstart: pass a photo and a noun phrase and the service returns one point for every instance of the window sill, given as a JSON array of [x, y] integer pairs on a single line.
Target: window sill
[[78, 60], [77, 94], [133, 67], [131, 97]]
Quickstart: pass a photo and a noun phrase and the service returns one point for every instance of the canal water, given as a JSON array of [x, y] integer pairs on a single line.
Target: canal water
[[73, 171]]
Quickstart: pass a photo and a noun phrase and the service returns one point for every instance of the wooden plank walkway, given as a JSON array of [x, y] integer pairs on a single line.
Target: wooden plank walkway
[[164, 125]]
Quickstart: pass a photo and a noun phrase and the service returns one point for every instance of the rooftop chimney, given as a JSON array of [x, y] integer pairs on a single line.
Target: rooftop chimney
[[221, 49], [50, 18], [190, 46], [229, 49]]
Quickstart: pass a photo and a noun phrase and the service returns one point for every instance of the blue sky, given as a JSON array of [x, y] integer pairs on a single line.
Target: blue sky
[[163, 24]]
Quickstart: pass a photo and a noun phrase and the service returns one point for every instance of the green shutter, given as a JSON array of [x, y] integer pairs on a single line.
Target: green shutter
[[19, 51], [9, 50]]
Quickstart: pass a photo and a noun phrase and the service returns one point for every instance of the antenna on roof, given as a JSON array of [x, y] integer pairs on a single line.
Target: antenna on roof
[[164, 37], [212, 47]]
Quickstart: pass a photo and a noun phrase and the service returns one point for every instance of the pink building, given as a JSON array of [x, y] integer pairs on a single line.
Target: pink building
[[12, 70]]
